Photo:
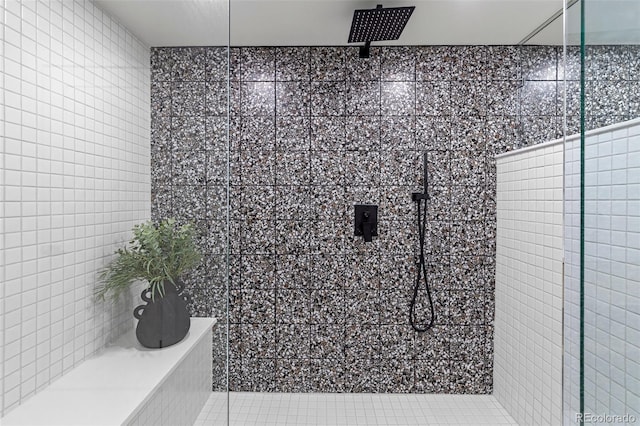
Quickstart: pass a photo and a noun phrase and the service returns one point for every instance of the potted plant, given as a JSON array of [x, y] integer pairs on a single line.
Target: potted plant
[[159, 254]]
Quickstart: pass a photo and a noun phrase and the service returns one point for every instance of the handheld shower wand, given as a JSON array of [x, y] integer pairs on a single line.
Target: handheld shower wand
[[418, 197]]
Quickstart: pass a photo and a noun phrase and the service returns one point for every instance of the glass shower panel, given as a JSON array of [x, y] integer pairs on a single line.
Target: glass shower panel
[[190, 172], [609, 212], [571, 327]]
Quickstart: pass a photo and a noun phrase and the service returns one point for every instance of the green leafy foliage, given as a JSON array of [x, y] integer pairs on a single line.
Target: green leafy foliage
[[157, 253]]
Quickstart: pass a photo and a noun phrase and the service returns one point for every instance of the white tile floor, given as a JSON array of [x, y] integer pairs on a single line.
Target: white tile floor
[[301, 409]]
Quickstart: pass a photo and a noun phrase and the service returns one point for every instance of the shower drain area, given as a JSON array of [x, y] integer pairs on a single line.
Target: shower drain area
[[329, 409]]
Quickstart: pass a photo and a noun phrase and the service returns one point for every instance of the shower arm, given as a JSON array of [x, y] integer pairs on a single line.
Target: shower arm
[[365, 50]]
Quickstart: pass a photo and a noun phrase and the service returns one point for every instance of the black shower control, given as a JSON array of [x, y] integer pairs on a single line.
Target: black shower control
[[366, 221]]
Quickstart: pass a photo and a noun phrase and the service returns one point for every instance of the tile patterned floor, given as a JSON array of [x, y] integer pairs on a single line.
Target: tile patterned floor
[[282, 409]]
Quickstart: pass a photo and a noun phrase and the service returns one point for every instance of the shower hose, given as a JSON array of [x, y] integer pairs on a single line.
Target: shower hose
[[422, 269]]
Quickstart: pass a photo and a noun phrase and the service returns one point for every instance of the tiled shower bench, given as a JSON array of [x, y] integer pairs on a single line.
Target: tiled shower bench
[[127, 384]]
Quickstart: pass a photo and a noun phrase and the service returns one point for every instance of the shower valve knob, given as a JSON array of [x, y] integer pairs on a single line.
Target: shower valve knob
[[366, 221]]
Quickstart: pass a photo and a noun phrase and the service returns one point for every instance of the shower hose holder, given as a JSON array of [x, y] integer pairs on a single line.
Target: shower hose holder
[[417, 196]]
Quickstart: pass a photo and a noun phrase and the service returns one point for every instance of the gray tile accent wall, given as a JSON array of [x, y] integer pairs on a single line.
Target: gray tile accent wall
[[315, 130]]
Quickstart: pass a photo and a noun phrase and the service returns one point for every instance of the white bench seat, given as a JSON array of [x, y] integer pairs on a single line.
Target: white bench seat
[[115, 386]]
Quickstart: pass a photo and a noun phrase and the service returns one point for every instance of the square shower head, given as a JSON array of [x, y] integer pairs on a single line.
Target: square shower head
[[379, 23]]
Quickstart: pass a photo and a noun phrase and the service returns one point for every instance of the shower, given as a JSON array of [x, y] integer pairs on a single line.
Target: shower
[[377, 25], [375, 246], [421, 222]]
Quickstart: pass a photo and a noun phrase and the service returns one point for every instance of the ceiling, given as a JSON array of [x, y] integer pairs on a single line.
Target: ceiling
[[606, 21], [172, 22], [326, 22]]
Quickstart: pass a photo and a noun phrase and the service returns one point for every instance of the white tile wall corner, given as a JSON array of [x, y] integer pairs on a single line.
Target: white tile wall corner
[[611, 272], [183, 395], [75, 127], [528, 321]]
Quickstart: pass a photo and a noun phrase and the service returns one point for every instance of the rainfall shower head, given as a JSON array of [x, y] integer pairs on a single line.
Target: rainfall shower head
[[378, 24]]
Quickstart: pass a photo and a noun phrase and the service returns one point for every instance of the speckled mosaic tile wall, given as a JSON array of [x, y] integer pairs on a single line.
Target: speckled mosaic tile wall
[[315, 130], [189, 170]]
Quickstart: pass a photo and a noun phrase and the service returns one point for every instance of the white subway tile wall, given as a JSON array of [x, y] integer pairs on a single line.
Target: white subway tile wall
[[76, 178], [611, 272], [528, 322]]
